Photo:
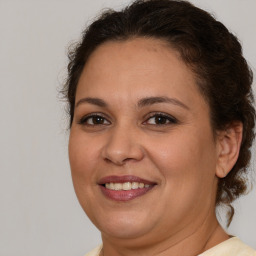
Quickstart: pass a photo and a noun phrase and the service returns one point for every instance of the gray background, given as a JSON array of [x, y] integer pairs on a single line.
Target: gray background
[[39, 212]]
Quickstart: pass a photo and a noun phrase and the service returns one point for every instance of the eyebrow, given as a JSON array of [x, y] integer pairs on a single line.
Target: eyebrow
[[94, 101], [142, 102], [153, 100]]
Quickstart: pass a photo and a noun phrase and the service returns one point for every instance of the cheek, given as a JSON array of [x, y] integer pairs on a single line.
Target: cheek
[[188, 171], [82, 157], [83, 161], [186, 159]]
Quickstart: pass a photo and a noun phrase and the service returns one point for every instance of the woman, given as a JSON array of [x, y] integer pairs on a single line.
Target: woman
[[161, 120]]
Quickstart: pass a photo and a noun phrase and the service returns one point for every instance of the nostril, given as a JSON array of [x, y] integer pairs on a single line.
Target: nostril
[[115, 161], [121, 148], [119, 162]]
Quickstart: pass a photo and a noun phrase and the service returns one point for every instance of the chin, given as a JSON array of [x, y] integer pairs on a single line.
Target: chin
[[123, 226]]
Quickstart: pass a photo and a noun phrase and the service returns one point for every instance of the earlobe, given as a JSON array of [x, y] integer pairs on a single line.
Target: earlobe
[[229, 142]]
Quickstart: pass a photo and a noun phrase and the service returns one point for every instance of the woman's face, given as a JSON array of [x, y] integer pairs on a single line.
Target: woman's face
[[142, 151]]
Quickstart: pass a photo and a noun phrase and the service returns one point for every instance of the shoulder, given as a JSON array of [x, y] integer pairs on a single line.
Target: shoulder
[[94, 252], [231, 247]]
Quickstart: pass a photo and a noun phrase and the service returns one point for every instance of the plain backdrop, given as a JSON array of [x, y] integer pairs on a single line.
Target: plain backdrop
[[39, 212]]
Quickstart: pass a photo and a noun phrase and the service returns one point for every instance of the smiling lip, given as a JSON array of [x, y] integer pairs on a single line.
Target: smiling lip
[[124, 195], [122, 179]]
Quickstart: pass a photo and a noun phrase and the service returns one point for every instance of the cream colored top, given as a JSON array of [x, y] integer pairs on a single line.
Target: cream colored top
[[230, 247]]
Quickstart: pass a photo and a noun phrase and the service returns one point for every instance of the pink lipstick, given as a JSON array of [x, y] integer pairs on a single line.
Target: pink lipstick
[[124, 188]]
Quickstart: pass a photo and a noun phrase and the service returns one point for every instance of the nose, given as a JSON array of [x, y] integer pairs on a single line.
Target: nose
[[122, 145]]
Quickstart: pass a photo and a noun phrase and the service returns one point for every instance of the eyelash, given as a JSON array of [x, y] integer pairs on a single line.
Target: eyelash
[[85, 119], [170, 119]]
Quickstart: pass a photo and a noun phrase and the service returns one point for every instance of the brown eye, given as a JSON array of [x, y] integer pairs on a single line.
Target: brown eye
[[161, 119], [94, 120]]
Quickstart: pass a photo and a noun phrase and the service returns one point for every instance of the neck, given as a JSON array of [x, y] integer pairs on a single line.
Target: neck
[[185, 243]]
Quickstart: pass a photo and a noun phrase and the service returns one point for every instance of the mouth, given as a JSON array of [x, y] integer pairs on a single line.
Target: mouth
[[124, 188]]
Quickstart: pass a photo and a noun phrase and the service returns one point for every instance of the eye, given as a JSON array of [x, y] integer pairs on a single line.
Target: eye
[[160, 119], [93, 120]]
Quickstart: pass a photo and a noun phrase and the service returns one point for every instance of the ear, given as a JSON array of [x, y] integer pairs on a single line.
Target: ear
[[229, 142]]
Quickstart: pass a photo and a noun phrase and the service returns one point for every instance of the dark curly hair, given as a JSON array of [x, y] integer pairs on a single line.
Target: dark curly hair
[[213, 53]]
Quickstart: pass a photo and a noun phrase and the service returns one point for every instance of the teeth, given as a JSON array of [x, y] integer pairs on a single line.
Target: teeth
[[118, 186], [135, 185], [141, 185], [126, 185], [111, 186]]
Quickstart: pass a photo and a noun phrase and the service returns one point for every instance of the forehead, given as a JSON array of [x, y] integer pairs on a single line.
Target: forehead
[[137, 54], [137, 67]]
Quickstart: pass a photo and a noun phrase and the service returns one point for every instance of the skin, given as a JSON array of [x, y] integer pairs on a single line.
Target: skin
[[183, 157]]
